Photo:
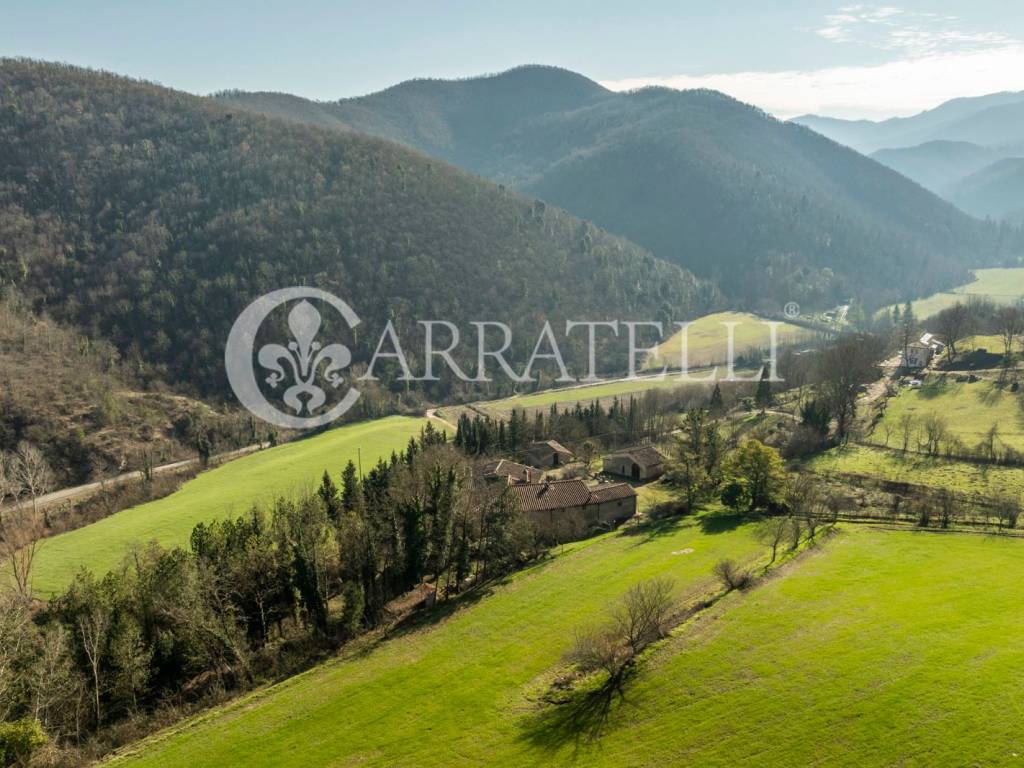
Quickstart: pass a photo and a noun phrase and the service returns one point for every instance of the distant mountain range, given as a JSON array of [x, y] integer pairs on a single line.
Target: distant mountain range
[[770, 211], [957, 150], [994, 120]]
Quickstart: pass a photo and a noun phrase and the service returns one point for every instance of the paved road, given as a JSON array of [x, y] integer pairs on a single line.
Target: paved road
[[79, 491]]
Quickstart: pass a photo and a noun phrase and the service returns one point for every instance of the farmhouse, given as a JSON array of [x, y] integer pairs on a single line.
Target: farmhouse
[[932, 342], [510, 472], [547, 454], [916, 355], [570, 509], [640, 463], [919, 353]]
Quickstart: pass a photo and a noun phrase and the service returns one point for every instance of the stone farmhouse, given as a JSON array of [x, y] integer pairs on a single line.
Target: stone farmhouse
[[640, 463], [563, 510]]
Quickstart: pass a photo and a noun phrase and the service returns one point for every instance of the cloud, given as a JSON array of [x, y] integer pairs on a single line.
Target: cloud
[[933, 61], [912, 33]]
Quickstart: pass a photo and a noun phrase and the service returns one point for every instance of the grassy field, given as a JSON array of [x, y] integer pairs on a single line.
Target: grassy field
[[707, 339], [230, 489], [877, 648], [885, 648], [916, 468], [969, 410], [568, 397], [453, 692], [1003, 286]]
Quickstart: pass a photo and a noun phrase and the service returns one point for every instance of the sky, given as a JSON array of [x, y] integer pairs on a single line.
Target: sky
[[803, 56]]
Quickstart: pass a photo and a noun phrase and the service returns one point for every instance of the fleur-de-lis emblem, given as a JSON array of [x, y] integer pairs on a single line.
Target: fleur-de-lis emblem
[[304, 356]]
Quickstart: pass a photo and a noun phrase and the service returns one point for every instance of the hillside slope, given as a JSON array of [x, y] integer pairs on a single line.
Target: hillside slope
[[73, 398], [807, 668], [996, 191], [937, 165], [152, 217], [770, 210]]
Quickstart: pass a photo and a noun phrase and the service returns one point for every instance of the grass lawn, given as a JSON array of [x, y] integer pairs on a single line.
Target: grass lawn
[[878, 648], [453, 692], [227, 490], [884, 648], [970, 410], [1002, 285], [707, 339], [916, 468], [569, 396]]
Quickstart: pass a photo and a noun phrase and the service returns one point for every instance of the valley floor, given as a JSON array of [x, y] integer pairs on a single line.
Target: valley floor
[[228, 490], [874, 648]]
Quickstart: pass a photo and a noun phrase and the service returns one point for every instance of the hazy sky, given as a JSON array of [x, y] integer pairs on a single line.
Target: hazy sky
[[850, 60]]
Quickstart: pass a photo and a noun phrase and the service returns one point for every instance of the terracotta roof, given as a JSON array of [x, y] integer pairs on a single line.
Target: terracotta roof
[[559, 494], [644, 455], [562, 494], [505, 468], [611, 492], [554, 445]]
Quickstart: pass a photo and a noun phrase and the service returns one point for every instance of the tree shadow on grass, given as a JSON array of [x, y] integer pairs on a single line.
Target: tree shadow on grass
[[651, 530], [580, 720], [721, 523]]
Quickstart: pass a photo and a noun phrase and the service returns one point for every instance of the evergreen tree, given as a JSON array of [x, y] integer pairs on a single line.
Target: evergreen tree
[[763, 395], [351, 492], [328, 493], [716, 405]]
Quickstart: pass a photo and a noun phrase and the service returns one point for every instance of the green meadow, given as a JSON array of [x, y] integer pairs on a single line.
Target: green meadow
[[569, 396], [987, 480], [454, 690], [874, 648], [1001, 285], [969, 410], [227, 490], [881, 648], [707, 339]]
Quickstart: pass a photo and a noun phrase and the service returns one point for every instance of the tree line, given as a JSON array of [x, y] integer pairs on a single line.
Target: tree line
[[253, 598]]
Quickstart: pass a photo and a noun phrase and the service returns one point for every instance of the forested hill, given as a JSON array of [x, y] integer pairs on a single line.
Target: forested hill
[[152, 217], [771, 211]]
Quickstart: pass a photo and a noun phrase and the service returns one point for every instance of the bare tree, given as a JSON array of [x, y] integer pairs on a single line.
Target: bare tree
[[598, 649], [907, 330], [31, 472], [954, 324], [6, 480], [92, 631], [907, 424], [842, 369], [1010, 322], [21, 529], [15, 638], [772, 532], [731, 575], [56, 687], [1007, 511], [935, 432], [638, 619], [642, 616]]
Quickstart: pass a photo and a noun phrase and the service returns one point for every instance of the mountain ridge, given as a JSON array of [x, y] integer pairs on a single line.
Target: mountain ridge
[[724, 189], [152, 217]]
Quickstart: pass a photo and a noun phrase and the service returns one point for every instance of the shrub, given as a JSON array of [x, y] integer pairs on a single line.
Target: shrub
[[731, 575], [19, 739]]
